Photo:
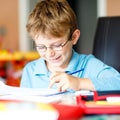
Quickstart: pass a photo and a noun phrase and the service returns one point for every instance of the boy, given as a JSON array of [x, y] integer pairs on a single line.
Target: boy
[[53, 27]]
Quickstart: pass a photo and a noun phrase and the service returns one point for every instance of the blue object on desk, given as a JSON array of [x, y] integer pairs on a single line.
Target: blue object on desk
[[53, 94], [76, 71], [102, 95]]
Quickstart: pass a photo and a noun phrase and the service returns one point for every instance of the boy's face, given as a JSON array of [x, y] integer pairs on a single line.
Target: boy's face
[[58, 51]]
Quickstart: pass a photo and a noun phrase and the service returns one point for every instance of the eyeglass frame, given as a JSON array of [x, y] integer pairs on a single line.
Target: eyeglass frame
[[53, 47]]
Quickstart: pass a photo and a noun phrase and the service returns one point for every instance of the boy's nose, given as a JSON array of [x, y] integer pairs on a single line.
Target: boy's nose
[[50, 52]]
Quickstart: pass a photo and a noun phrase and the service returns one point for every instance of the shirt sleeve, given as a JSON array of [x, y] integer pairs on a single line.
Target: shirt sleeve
[[103, 77]]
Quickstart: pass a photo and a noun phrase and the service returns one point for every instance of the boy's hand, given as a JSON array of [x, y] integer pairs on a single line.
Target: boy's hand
[[64, 81]]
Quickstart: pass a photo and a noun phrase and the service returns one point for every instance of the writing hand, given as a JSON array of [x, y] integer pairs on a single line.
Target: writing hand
[[64, 81]]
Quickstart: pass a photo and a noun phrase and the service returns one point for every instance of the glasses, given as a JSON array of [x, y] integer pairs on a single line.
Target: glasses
[[43, 48]]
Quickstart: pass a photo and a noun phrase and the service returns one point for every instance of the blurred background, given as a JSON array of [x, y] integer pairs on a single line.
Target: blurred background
[[16, 48], [14, 14]]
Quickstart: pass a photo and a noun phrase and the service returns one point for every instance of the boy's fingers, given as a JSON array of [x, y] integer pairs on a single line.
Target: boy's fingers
[[52, 82], [54, 74]]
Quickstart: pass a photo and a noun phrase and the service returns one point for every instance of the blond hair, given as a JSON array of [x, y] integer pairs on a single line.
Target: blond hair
[[52, 17]]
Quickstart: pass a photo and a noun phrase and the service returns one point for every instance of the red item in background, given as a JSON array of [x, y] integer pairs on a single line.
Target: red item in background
[[2, 69], [68, 112], [14, 73], [13, 82]]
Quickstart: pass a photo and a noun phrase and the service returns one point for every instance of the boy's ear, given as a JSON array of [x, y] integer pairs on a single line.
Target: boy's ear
[[75, 36]]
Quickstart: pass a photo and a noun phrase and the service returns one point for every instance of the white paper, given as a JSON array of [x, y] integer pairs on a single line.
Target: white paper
[[113, 99], [84, 92], [28, 94]]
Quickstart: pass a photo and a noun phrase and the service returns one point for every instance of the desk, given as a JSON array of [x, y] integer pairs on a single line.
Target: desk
[[66, 112], [101, 117]]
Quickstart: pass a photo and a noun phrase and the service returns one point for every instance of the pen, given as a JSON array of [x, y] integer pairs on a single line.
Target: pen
[[76, 71], [54, 94]]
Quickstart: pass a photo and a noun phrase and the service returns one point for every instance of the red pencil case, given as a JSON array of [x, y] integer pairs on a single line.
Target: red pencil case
[[99, 105]]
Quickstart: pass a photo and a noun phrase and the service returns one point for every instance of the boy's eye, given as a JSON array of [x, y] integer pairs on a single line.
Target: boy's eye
[[40, 47], [55, 46]]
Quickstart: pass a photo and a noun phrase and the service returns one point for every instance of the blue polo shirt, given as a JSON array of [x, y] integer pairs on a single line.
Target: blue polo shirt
[[103, 77]]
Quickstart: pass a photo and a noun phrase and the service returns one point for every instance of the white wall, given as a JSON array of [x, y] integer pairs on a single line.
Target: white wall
[[101, 8], [23, 16]]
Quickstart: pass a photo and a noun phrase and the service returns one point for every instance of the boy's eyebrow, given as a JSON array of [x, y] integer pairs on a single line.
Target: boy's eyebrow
[[57, 42], [50, 45]]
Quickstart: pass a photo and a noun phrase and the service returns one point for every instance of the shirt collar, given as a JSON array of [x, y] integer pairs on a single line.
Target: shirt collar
[[72, 66], [40, 68]]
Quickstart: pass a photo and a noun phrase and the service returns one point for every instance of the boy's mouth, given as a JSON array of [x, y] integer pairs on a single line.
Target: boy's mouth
[[55, 59]]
